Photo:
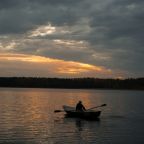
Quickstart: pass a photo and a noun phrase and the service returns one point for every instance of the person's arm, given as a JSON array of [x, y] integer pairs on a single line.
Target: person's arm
[[84, 108], [76, 108]]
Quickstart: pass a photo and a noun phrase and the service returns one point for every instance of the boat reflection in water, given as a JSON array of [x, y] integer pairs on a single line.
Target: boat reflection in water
[[81, 128]]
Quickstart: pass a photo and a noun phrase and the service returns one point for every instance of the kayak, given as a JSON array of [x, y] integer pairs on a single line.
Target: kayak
[[89, 114]]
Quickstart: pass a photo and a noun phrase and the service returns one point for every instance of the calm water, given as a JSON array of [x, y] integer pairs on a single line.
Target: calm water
[[27, 117]]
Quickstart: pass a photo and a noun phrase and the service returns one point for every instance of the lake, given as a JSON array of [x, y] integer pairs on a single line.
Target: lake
[[27, 117]]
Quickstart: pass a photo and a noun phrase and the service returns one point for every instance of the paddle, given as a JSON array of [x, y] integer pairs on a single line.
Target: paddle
[[56, 111], [97, 106]]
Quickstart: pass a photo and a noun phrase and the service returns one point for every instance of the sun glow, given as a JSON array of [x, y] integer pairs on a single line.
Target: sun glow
[[56, 66], [75, 67], [26, 58]]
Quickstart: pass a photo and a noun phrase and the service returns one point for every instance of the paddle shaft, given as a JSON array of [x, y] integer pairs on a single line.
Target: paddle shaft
[[97, 106]]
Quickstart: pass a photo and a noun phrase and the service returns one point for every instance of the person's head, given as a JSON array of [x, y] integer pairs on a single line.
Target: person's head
[[80, 102]]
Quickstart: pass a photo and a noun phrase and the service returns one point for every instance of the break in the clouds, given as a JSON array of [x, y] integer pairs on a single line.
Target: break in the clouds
[[107, 34]]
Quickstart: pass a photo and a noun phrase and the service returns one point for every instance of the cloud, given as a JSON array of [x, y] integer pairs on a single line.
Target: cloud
[[19, 16], [30, 65], [104, 33]]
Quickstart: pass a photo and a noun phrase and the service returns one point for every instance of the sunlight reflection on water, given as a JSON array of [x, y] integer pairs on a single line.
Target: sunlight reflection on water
[[27, 116]]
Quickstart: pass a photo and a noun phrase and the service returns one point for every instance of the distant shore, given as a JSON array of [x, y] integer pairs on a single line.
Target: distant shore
[[72, 83]]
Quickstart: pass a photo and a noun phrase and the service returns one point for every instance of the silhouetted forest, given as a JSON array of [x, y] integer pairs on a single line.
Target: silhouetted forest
[[78, 83]]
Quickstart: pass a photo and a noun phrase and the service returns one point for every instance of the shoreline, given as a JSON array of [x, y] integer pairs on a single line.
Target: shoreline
[[73, 83], [104, 89]]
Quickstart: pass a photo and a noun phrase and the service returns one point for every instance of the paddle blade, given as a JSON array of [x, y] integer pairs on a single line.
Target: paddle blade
[[103, 104], [57, 111]]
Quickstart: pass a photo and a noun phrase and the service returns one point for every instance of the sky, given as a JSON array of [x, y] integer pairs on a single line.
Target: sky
[[72, 38]]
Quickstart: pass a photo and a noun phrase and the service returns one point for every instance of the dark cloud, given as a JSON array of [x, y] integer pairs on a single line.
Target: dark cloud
[[6, 4], [113, 28], [56, 2], [127, 2], [19, 16]]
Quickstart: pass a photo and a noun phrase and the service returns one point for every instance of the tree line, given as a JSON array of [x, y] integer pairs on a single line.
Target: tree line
[[78, 83]]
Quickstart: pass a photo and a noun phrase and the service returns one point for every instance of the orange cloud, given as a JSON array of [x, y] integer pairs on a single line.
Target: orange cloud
[[49, 65]]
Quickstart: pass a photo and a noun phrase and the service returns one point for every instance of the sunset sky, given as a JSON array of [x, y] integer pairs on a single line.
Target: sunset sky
[[72, 38]]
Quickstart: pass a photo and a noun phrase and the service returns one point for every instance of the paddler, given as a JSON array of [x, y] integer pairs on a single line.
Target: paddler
[[80, 106]]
